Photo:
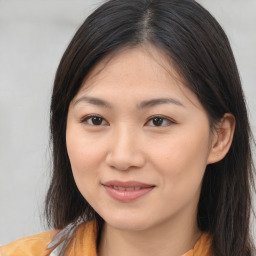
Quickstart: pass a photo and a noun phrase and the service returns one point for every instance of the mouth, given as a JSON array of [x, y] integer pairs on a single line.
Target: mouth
[[127, 191]]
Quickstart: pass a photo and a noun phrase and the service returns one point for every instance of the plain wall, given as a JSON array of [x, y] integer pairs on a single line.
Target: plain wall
[[33, 37]]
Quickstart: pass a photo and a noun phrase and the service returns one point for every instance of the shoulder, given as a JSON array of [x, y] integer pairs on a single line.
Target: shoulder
[[204, 245], [82, 243], [35, 245]]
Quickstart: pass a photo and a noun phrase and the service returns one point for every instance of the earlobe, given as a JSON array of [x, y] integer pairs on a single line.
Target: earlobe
[[222, 138]]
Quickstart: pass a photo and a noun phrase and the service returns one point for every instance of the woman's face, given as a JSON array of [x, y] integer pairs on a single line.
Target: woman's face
[[138, 141]]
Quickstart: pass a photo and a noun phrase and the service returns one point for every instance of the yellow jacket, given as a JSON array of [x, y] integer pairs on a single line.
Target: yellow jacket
[[83, 244]]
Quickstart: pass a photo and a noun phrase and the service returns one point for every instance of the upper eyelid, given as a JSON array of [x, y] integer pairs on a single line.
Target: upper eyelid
[[161, 116], [92, 115], [83, 119]]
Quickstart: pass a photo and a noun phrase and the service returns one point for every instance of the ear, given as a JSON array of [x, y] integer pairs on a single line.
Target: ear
[[222, 138]]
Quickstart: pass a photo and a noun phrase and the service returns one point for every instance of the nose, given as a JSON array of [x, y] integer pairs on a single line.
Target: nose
[[125, 150]]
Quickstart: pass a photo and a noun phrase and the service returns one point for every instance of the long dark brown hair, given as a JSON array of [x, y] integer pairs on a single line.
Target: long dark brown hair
[[200, 49]]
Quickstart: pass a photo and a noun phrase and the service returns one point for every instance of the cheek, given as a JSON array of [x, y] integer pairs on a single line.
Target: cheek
[[85, 158], [84, 150], [182, 158]]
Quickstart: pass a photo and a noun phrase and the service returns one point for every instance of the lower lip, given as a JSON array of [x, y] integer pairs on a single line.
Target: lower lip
[[127, 195]]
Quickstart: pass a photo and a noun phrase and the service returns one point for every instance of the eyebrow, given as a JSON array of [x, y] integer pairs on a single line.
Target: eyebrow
[[143, 104], [159, 101], [94, 101]]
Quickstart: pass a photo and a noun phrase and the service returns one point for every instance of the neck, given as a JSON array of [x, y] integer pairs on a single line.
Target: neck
[[170, 238]]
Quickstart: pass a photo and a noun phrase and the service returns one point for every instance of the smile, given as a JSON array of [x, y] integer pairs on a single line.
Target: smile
[[126, 191]]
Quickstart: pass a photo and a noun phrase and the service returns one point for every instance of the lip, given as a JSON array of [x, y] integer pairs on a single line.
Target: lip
[[127, 191]]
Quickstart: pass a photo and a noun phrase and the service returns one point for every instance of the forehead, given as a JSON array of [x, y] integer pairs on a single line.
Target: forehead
[[140, 71], [129, 59]]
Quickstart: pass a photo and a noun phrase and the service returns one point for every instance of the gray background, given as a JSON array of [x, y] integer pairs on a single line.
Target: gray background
[[33, 37]]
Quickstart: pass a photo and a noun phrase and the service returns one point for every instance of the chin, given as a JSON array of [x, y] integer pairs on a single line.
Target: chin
[[128, 223]]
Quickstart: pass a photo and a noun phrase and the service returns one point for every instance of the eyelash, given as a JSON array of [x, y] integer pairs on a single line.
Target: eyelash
[[151, 119], [86, 118], [164, 118]]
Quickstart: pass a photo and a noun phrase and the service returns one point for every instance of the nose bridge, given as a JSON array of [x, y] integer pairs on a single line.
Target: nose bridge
[[125, 150], [124, 136]]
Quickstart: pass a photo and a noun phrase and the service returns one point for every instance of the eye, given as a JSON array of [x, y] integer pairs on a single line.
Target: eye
[[94, 120], [160, 121]]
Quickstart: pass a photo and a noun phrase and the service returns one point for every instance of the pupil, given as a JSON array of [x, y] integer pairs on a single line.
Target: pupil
[[157, 121], [96, 120]]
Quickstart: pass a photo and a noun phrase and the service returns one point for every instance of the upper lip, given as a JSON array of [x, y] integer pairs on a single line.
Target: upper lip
[[127, 184]]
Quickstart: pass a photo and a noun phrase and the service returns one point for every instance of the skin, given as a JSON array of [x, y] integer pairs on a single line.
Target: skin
[[126, 144]]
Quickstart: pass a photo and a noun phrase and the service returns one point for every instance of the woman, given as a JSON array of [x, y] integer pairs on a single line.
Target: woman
[[151, 140]]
